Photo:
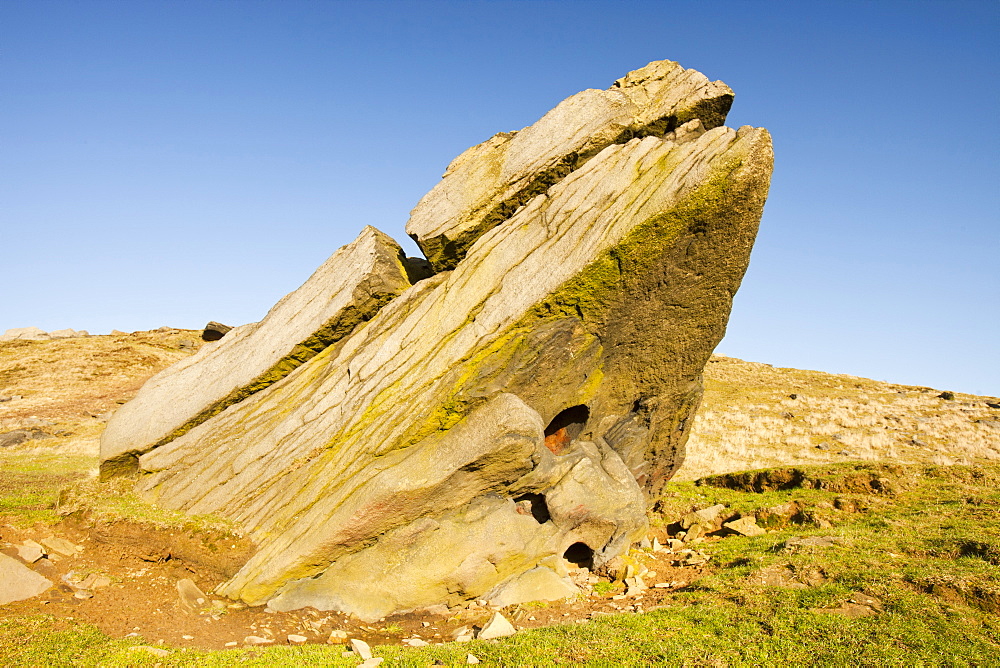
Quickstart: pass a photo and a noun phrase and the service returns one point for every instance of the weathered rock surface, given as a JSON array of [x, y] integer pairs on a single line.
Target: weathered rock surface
[[25, 334], [347, 290], [485, 185], [18, 582], [494, 424], [214, 331]]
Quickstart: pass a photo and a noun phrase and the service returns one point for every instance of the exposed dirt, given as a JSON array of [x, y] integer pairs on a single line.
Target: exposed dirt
[[68, 389], [144, 565]]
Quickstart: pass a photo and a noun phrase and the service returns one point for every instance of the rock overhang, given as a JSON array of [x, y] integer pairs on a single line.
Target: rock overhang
[[602, 294]]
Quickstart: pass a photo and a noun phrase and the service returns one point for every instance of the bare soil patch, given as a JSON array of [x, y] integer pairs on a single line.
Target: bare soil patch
[[144, 564]]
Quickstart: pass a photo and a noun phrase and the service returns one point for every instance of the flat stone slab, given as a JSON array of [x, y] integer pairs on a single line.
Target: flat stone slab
[[60, 546], [18, 582]]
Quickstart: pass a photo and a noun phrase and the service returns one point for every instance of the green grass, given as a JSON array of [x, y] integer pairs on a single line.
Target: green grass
[[929, 550], [30, 485], [44, 488]]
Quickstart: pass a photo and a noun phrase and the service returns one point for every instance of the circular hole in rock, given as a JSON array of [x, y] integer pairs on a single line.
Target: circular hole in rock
[[534, 505], [580, 555], [564, 427]]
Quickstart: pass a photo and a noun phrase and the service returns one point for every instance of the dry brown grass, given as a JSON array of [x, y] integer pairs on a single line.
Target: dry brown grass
[[749, 420], [69, 387]]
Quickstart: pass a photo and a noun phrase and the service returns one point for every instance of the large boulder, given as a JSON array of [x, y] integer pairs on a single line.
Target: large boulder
[[495, 424]]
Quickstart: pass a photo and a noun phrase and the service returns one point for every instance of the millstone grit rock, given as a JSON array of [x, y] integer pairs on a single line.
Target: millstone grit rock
[[348, 289], [484, 185], [499, 422]]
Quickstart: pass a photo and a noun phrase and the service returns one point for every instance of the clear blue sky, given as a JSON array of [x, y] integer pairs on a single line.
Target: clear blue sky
[[176, 162]]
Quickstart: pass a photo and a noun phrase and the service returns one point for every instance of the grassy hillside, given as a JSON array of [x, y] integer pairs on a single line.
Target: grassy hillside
[[879, 539], [755, 416]]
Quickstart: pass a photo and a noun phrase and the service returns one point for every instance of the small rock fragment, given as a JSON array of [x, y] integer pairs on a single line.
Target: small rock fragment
[[634, 586], [693, 533], [95, 581], [29, 551], [257, 640], [232, 644], [361, 648], [337, 637], [83, 594], [295, 639], [745, 526], [415, 642], [191, 597], [155, 651], [497, 627], [471, 659]]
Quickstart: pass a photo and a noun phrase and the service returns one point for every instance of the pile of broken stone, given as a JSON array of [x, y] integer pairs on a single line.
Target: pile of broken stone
[[19, 582], [400, 433]]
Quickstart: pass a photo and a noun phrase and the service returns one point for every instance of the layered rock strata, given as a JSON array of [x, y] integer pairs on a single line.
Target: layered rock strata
[[495, 424], [348, 289], [484, 185]]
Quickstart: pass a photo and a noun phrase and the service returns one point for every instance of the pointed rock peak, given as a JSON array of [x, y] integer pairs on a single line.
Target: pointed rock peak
[[346, 291]]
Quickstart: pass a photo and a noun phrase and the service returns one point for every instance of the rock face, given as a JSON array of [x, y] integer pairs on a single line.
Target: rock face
[[498, 422], [484, 185], [35, 334], [347, 290]]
